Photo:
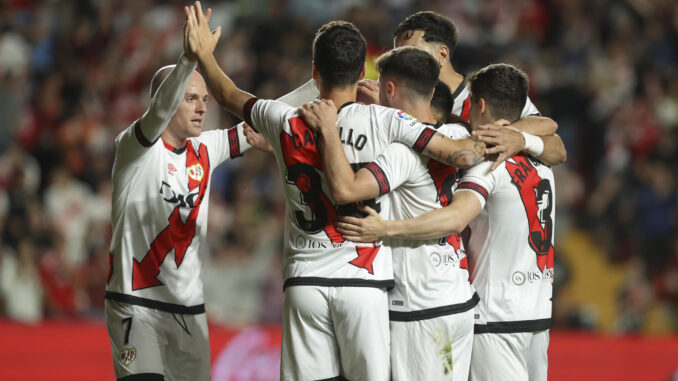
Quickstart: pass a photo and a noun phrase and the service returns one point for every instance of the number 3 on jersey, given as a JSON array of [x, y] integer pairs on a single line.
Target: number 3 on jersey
[[303, 162], [537, 196]]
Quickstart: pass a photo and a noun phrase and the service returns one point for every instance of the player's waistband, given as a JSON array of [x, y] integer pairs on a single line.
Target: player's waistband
[[155, 304], [435, 312], [338, 282], [513, 326]]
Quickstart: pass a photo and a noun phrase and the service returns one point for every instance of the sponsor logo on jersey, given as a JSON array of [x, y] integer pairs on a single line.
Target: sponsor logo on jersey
[[301, 242], [519, 278], [128, 355], [168, 194], [196, 172], [404, 116], [447, 259]]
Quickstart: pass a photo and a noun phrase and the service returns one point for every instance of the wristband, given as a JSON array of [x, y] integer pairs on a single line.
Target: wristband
[[534, 145]]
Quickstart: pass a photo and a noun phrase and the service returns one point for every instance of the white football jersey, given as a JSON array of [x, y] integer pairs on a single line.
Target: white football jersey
[[462, 103], [428, 274], [314, 252], [511, 245], [159, 215]]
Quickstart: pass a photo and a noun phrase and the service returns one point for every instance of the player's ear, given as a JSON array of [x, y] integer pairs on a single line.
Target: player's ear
[[390, 89], [443, 55], [362, 73], [483, 105]]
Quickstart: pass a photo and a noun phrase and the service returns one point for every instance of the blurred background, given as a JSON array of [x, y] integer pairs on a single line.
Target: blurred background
[[73, 74]]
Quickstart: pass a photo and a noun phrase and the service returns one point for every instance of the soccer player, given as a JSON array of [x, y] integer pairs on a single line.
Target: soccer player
[[161, 182], [431, 305], [438, 35], [431, 322], [511, 214], [335, 313]]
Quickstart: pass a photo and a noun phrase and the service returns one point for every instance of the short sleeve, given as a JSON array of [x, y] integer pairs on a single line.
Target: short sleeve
[[225, 144], [266, 116], [404, 128], [480, 180], [304, 94], [529, 109], [398, 163]]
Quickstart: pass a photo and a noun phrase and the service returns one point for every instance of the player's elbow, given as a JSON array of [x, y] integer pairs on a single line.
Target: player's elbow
[[454, 227], [551, 126], [563, 156], [342, 195]]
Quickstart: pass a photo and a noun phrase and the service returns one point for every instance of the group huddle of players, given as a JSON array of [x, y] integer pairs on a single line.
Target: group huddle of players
[[378, 284]]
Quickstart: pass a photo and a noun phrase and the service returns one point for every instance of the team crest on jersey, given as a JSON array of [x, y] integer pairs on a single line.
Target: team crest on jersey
[[404, 116], [128, 355], [196, 172]]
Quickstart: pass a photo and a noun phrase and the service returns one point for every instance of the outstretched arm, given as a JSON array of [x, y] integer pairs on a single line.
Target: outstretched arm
[[166, 100], [201, 42], [438, 223], [169, 95]]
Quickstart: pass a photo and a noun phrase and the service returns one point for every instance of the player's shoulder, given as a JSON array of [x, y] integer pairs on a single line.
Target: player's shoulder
[[454, 130], [375, 109], [280, 105]]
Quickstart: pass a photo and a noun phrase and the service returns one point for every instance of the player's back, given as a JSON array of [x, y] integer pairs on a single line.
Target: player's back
[[315, 253], [511, 244], [433, 273]]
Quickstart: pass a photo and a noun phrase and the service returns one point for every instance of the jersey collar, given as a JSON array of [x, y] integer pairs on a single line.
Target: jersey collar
[[438, 124], [459, 88], [170, 148], [344, 105]]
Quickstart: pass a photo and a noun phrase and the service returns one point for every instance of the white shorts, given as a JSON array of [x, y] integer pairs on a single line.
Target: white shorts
[[432, 349], [145, 340], [510, 356], [330, 332]]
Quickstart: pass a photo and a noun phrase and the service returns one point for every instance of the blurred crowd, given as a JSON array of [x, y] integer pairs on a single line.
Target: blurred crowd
[[75, 74]]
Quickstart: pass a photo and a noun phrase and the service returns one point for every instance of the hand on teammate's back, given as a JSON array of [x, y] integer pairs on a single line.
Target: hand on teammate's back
[[501, 139], [199, 40], [319, 115], [368, 92], [369, 229], [256, 139]]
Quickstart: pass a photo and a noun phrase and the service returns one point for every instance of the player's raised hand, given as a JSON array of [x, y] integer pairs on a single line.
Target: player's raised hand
[[501, 140], [199, 40], [256, 139], [368, 92], [319, 115], [369, 229]]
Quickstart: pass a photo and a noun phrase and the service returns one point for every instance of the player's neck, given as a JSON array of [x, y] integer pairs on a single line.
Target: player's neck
[[340, 95], [172, 140], [450, 77]]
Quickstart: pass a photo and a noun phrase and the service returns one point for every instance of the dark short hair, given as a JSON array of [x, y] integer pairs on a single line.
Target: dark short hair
[[414, 68], [159, 77], [504, 88], [436, 27], [442, 101], [339, 51]]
